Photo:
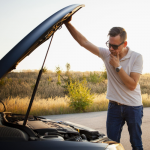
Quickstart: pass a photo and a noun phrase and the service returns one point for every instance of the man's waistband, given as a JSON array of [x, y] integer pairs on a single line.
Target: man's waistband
[[115, 102]]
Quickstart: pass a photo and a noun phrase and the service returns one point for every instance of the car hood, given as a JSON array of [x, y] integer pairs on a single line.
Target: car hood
[[35, 38]]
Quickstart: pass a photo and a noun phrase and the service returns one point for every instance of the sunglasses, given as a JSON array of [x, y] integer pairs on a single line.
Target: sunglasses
[[115, 47]]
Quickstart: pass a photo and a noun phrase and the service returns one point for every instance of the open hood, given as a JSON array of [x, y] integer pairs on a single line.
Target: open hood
[[35, 38]]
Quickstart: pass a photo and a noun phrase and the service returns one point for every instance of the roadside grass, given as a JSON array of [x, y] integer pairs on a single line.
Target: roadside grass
[[58, 105], [146, 100], [22, 84], [16, 90], [51, 106]]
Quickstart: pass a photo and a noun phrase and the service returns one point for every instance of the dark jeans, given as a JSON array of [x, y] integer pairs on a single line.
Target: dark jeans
[[116, 117]]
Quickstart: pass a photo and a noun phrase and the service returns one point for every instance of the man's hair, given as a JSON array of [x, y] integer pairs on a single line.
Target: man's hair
[[118, 31]]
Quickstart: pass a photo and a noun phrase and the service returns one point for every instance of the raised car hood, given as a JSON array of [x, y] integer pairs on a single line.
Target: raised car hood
[[35, 38]]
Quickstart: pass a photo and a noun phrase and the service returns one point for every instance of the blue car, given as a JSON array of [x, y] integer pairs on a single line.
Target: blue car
[[23, 132]]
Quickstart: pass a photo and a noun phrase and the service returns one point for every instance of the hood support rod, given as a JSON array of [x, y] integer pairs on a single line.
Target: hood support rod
[[36, 85]]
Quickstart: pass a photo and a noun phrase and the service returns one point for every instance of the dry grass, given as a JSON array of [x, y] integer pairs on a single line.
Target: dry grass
[[145, 83], [58, 105], [50, 106], [146, 100], [21, 84], [40, 106], [16, 90]]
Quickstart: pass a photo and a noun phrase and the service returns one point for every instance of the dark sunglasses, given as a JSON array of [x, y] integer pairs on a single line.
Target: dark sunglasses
[[115, 47]]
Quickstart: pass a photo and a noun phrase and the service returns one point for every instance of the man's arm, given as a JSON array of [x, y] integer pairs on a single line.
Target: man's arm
[[131, 80], [81, 39]]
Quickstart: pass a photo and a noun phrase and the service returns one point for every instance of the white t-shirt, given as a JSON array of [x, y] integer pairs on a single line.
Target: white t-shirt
[[116, 89]]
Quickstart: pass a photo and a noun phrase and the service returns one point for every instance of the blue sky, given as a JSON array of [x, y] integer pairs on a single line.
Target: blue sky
[[19, 17]]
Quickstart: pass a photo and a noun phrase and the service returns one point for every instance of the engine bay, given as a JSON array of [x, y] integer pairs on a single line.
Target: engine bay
[[39, 128]]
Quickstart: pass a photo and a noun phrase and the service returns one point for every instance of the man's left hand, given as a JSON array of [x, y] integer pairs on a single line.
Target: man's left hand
[[114, 60]]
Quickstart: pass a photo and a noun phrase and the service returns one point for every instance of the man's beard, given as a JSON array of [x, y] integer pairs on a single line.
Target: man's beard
[[114, 53]]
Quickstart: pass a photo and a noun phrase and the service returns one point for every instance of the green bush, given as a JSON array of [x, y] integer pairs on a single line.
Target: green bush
[[94, 77], [58, 71], [66, 80], [104, 73], [44, 70], [5, 81], [80, 97], [49, 79], [2, 82], [68, 69]]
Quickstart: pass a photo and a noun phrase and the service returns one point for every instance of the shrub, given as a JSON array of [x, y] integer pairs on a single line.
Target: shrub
[[49, 79], [44, 70], [2, 82], [58, 71], [94, 77], [67, 78], [80, 97], [32, 86], [5, 81], [68, 68], [104, 73]]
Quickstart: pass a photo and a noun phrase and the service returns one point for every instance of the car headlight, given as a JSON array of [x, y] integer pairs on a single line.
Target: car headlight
[[117, 146]]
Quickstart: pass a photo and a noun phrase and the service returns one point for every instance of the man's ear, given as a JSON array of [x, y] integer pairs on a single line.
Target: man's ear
[[125, 44]]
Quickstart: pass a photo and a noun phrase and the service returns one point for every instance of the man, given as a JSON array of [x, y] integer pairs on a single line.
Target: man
[[124, 68]]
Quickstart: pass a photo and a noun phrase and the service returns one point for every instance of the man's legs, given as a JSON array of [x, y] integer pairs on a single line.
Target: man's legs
[[115, 122], [133, 117]]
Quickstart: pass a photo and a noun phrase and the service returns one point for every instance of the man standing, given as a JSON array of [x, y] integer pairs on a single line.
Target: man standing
[[124, 68]]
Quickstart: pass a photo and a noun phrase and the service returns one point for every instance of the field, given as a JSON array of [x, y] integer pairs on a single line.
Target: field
[[51, 98]]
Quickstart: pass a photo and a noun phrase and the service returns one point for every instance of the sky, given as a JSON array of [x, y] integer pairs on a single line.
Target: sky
[[20, 17]]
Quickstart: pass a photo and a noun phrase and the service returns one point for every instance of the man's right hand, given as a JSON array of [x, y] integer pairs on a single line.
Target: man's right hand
[[68, 20]]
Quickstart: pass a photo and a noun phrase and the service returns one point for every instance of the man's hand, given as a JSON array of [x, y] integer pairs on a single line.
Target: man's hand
[[131, 80], [68, 20], [114, 61]]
